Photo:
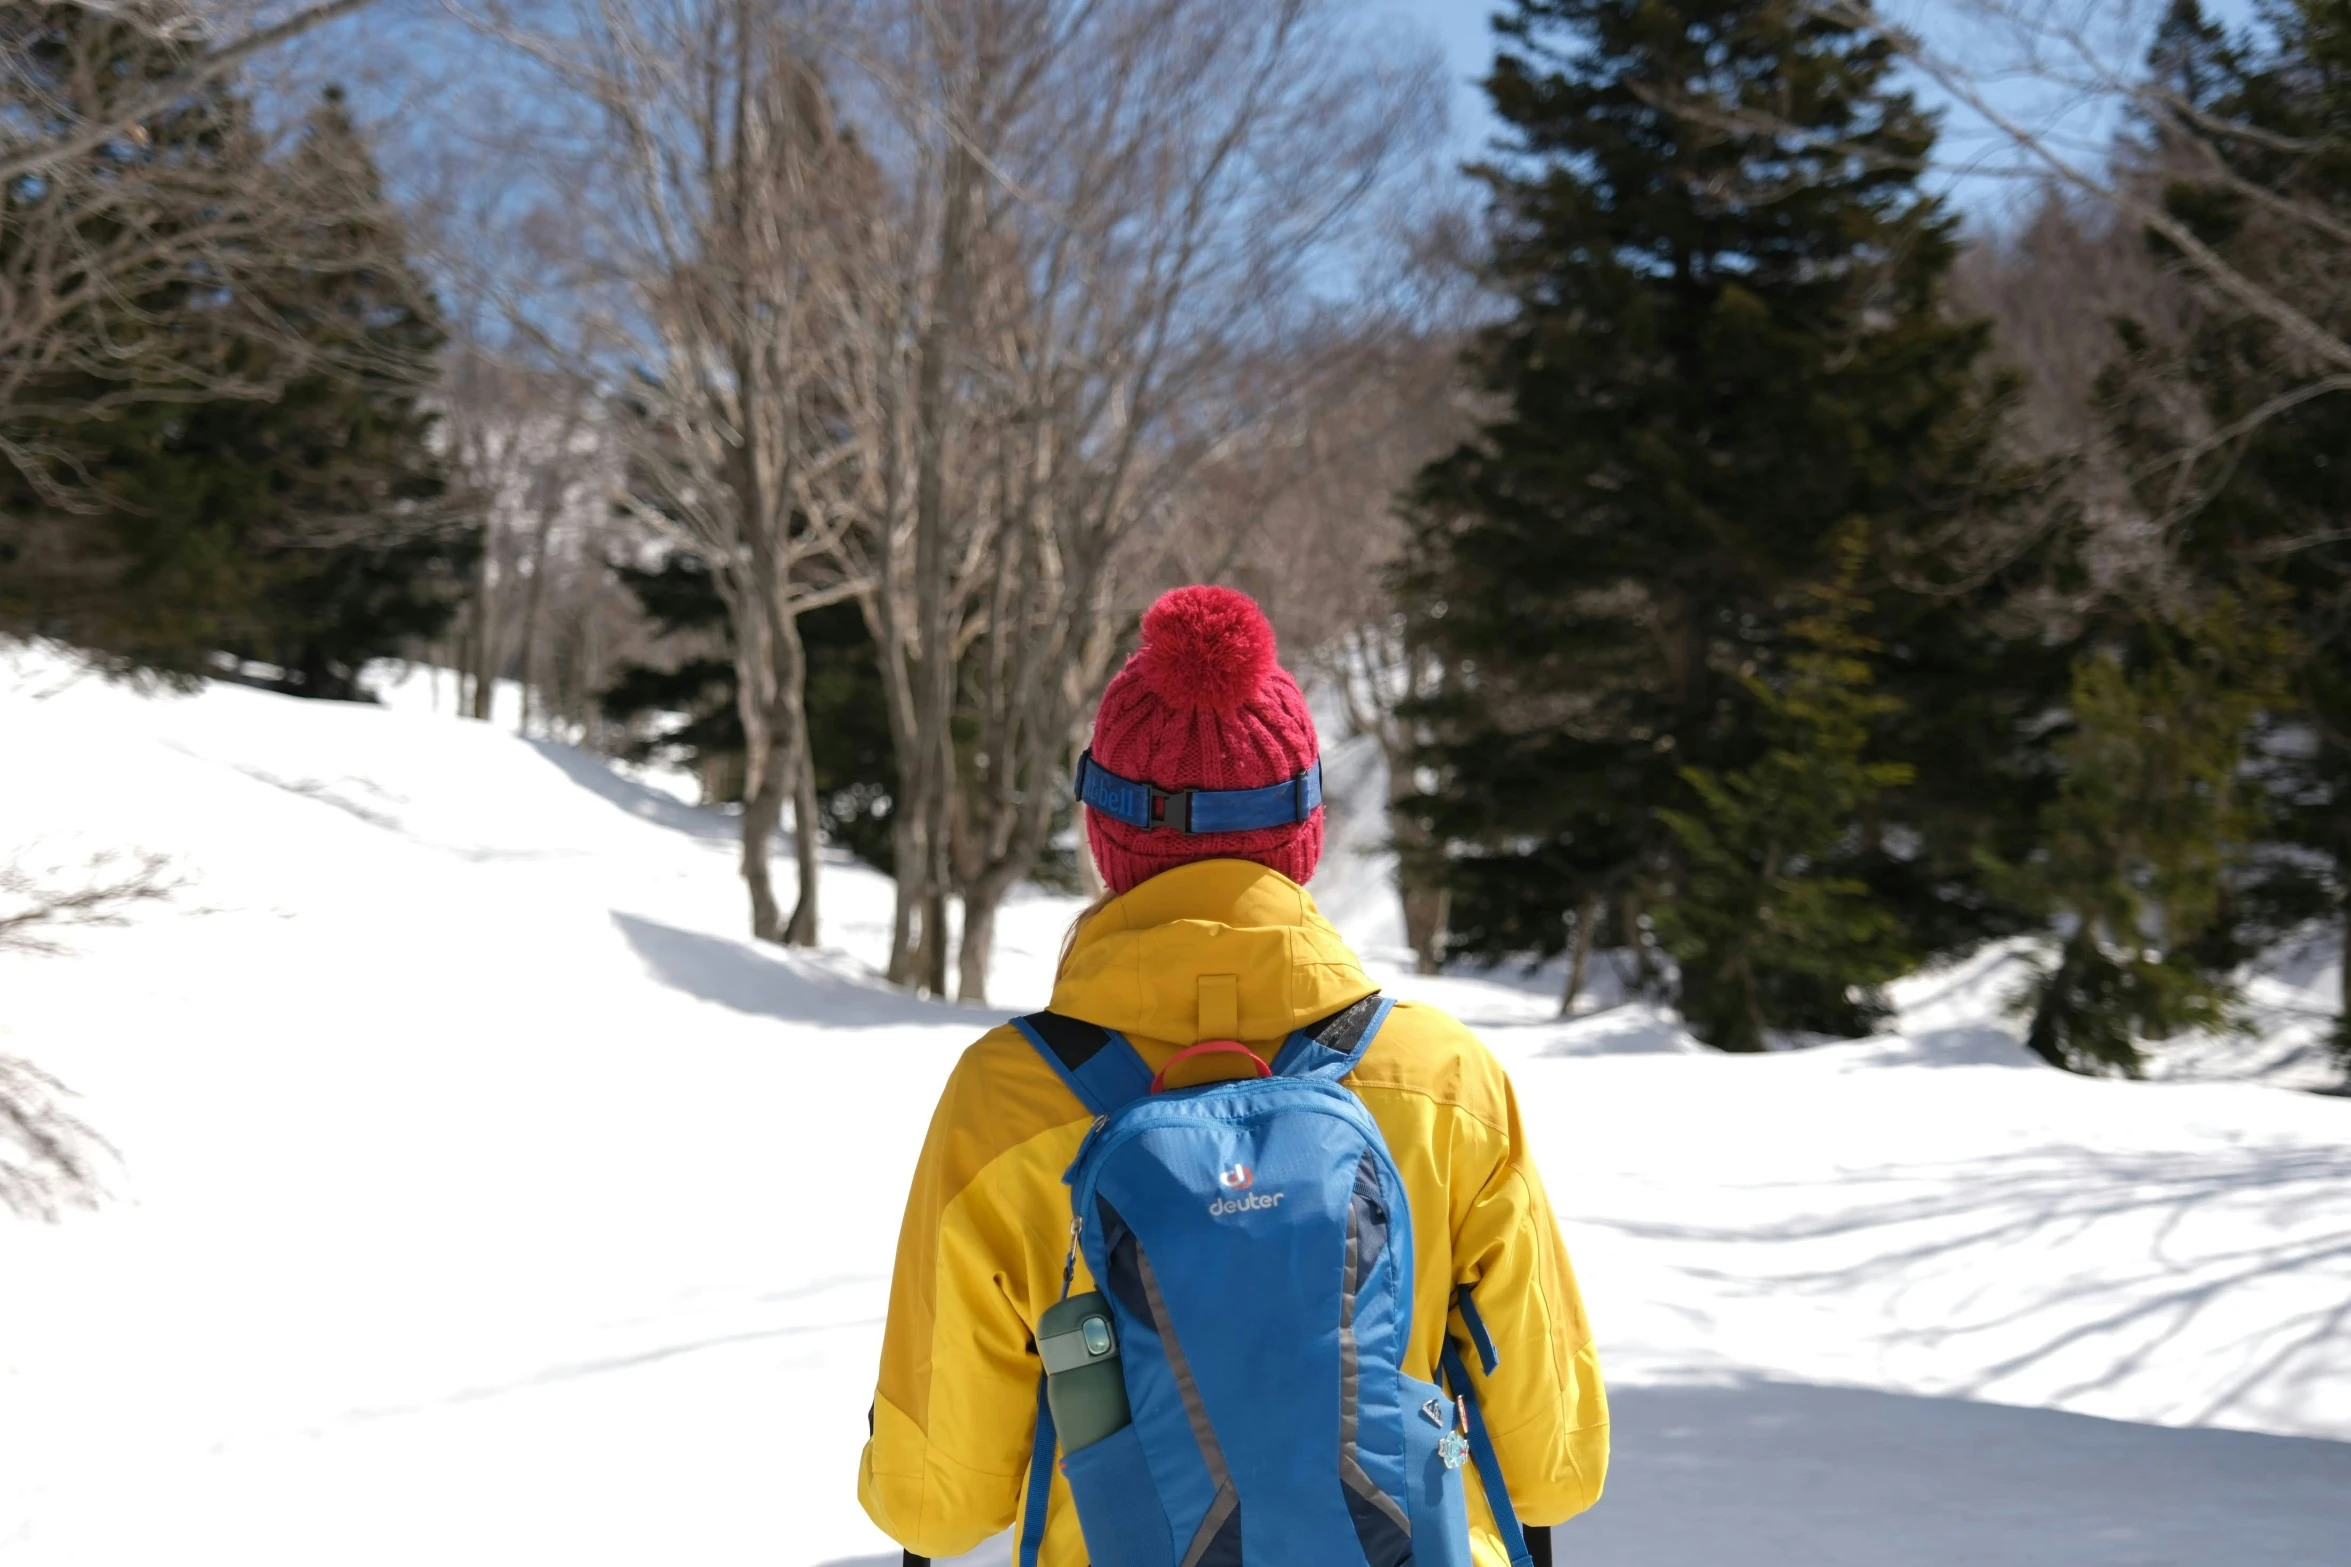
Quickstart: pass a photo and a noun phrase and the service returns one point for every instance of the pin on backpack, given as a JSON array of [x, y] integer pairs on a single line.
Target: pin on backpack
[[1251, 1242]]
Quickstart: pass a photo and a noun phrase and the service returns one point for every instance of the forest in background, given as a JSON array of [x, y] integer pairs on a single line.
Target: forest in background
[[1744, 566]]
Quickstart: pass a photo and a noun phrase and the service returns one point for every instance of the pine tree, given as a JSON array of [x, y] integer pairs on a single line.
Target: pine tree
[[349, 445], [303, 527], [1728, 348], [2269, 503], [2158, 816], [693, 695], [98, 363], [1769, 921]]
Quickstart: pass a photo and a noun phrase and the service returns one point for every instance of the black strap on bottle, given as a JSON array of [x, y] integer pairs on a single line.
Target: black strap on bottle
[[913, 1560], [1538, 1546]]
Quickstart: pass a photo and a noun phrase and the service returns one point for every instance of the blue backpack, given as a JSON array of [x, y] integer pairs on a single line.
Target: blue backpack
[[1255, 1242]]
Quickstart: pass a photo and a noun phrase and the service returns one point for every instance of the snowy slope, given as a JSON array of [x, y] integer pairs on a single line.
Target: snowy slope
[[486, 1199]]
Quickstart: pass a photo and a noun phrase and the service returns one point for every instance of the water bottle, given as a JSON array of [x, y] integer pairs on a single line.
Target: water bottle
[[1084, 1385]]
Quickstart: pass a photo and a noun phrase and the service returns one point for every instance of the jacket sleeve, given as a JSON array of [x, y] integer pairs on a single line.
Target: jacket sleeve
[[954, 1415], [1543, 1401]]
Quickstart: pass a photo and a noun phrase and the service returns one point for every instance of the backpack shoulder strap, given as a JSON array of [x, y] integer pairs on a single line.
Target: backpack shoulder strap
[[1105, 1072], [1524, 1549], [1040, 1483], [1097, 1063], [1332, 1047]]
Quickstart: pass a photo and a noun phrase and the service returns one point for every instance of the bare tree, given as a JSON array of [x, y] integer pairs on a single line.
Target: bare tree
[[529, 456], [725, 204], [525, 427], [1112, 279], [39, 146], [1307, 513], [962, 368], [1307, 516]]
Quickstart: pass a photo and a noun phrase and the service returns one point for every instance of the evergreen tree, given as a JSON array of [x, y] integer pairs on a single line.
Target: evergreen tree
[[1728, 348], [848, 728], [2157, 818], [1769, 922], [350, 444], [301, 528], [2268, 503], [703, 729], [98, 365]]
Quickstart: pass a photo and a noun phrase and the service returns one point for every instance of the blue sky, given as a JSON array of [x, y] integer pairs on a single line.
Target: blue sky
[[1460, 26]]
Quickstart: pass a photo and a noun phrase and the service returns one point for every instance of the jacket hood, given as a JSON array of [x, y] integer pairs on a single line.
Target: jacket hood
[[1216, 949]]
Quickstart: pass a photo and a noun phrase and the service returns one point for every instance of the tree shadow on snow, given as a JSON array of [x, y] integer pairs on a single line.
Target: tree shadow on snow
[[1761, 1473], [792, 987], [594, 774], [2210, 1228]]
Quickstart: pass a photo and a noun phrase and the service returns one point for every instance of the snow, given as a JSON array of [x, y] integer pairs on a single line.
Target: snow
[[485, 1197]]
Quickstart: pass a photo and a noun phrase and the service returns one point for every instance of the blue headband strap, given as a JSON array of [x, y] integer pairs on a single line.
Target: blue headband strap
[[1198, 810]]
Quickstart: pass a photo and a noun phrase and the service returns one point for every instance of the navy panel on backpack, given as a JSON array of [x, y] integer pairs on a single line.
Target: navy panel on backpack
[[1255, 1242]]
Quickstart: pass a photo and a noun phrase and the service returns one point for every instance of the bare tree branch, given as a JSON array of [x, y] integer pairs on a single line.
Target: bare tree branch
[[121, 118]]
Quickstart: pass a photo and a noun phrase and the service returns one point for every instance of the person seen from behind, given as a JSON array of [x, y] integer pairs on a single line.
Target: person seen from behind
[[1280, 1242]]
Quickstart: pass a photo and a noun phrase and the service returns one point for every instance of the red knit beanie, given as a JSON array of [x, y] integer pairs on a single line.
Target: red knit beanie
[[1203, 704]]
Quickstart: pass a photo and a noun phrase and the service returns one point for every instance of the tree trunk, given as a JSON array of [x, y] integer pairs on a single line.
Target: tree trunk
[[980, 903], [485, 668], [1420, 869], [806, 829], [460, 661], [791, 769], [1425, 911], [934, 696], [1579, 951], [2343, 1016], [2041, 1037], [763, 810], [1751, 1008], [530, 622], [941, 845], [1646, 978], [905, 850], [770, 766], [931, 950]]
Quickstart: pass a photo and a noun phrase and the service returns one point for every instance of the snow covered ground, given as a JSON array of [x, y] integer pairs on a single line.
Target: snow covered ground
[[485, 1198]]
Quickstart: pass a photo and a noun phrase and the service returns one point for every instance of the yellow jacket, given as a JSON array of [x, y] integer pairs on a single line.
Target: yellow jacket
[[1219, 949]]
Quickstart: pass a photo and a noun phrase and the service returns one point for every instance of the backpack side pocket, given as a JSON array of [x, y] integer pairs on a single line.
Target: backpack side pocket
[[1118, 1504]]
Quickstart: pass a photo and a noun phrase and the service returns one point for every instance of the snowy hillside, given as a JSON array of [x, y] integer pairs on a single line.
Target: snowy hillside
[[487, 1199]]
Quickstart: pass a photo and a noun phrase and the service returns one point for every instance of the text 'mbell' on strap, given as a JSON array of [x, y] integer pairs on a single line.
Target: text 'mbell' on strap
[[1151, 809]]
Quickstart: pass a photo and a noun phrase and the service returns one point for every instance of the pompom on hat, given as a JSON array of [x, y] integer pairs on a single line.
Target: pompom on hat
[[1204, 703]]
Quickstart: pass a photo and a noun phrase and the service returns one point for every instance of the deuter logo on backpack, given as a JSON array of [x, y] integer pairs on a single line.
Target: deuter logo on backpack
[[1239, 1178]]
